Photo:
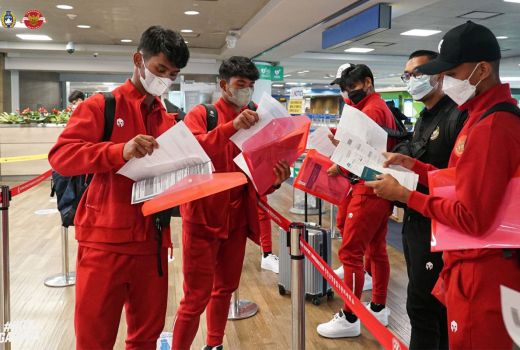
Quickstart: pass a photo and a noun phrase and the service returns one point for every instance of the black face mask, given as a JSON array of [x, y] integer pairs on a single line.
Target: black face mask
[[357, 95]]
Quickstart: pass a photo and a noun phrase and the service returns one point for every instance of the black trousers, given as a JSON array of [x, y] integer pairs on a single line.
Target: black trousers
[[427, 314]]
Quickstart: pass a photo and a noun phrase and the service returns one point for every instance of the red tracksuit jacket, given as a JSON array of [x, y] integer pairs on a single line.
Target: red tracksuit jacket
[[104, 215], [486, 154], [215, 212]]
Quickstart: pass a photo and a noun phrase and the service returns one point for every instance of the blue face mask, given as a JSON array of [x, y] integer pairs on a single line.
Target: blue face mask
[[419, 87]]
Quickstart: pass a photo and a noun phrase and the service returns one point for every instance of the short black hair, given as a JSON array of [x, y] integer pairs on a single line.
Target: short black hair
[[238, 66], [496, 67], [156, 40], [356, 73], [428, 53], [75, 95]]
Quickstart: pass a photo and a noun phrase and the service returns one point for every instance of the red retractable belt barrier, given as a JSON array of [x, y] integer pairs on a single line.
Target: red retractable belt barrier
[[29, 184], [386, 338]]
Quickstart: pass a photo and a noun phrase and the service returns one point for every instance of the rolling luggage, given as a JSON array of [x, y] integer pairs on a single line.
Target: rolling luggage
[[316, 286]]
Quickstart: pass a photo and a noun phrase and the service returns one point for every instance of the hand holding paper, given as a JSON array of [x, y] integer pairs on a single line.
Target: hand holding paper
[[320, 141]]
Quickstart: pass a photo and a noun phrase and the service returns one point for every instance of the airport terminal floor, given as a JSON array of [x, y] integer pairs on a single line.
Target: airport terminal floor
[[47, 314]]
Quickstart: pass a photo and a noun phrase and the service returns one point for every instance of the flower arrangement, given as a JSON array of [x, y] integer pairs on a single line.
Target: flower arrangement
[[41, 116]]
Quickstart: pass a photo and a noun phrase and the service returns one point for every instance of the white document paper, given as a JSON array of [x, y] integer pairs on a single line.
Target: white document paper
[[354, 155], [354, 122], [510, 300], [319, 140], [240, 161], [178, 149], [268, 109]]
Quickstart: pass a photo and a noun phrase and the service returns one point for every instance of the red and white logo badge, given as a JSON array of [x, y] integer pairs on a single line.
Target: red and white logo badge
[[33, 19]]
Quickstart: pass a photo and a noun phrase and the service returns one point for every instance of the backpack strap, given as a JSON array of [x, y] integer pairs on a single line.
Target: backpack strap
[[110, 112], [211, 116], [501, 107]]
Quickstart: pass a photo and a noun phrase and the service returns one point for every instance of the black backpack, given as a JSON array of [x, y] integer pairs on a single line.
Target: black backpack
[[70, 189]]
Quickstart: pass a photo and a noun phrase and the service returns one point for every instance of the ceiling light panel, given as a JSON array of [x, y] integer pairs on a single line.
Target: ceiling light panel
[[359, 50], [421, 32], [480, 15], [34, 37]]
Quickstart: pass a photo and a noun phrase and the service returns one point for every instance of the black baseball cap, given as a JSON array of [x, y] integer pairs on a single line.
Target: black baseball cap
[[469, 42]]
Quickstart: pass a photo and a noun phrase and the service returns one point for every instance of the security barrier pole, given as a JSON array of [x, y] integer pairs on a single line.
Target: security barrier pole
[[240, 309], [297, 286], [66, 278], [5, 304]]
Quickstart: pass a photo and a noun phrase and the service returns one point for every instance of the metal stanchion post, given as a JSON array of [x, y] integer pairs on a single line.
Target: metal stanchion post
[[66, 278], [240, 309], [335, 234], [297, 286], [5, 289]]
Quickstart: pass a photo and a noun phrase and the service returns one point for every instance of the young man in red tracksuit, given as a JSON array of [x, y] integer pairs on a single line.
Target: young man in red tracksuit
[[117, 264], [269, 261], [215, 228], [366, 220], [486, 156]]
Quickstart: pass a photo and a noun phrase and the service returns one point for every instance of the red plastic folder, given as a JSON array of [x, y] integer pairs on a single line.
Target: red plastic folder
[[313, 179], [504, 232], [281, 139], [192, 188]]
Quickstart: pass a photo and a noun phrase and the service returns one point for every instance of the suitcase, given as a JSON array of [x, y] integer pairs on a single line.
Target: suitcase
[[316, 286]]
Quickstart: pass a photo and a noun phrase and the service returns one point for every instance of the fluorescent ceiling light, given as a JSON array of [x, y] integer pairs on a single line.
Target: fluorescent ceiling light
[[421, 32], [510, 78], [34, 37], [126, 40], [359, 49], [291, 83], [277, 85], [83, 26], [186, 31], [286, 75], [191, 13], [65, 7], [303, 72], [502, 37], [515, 1]]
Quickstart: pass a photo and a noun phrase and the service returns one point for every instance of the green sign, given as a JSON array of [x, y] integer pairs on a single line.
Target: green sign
[[265, 71], [270, 73], [277, 73]]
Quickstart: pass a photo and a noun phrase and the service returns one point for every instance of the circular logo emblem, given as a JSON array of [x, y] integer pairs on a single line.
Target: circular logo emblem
[[459, 146], [33, 19], [435, 134], [8, 19]]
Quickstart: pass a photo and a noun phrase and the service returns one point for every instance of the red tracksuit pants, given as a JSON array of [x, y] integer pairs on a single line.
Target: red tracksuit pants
[[211, 269], [341, 217], [105, 283], [473, 302], [364, 233], [266, 240]]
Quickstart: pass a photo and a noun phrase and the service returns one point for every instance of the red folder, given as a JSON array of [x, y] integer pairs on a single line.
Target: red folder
[[282, 139], [503, 233], [313, 179], [192, 188]]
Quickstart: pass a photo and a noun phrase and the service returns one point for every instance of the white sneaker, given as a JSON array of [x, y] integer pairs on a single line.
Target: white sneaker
[[367, 285], [339, 271], [382, 316], [207, 347], [339, 327], [271, 263]]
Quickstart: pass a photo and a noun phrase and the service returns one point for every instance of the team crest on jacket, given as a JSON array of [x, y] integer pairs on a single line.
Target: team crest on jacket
[[459, 146], [435, 134], [120, 122], [454, 326]]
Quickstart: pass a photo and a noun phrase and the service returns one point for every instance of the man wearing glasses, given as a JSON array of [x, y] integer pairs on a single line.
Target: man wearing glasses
[[435, 133]]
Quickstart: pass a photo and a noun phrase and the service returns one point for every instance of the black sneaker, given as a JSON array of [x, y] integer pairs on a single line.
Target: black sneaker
[[207, 347]]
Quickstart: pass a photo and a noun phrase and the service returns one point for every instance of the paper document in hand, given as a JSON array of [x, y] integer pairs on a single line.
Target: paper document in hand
[[313, 178], [268, 109], [353, 122], [503, 233], [145, 189], [283, 139], [192, 188], [178, 149], [319, 140], [354, 155]]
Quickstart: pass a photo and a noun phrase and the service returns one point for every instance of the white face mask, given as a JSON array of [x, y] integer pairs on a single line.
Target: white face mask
[[153, 84], [458, 90], [240, 97], [420, 87]]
